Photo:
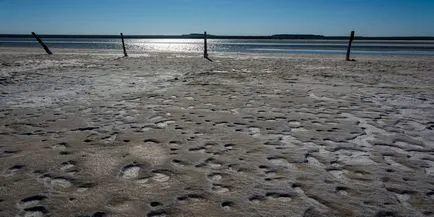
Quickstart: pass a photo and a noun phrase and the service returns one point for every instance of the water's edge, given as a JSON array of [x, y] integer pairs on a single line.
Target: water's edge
[[360, 47]]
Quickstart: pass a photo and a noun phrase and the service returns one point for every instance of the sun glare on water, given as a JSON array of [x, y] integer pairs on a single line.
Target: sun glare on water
[[168, 45]]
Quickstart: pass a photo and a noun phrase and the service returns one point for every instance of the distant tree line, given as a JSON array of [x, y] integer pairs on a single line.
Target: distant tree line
[[196, 36]]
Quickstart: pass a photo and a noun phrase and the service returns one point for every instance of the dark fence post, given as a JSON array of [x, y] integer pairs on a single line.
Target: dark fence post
[[205, 46], [349, 46], [42, 43], [123, 45]]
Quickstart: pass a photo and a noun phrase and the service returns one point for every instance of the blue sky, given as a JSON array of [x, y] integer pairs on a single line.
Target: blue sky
[[232, 17]]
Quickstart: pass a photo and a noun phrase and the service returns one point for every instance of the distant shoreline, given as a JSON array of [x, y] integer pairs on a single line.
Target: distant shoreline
[[199, 36]]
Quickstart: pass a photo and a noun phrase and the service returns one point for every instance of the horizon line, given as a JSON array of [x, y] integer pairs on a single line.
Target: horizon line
[[195, 35]]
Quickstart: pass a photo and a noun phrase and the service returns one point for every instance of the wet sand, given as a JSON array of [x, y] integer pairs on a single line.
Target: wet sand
[[244, 135]]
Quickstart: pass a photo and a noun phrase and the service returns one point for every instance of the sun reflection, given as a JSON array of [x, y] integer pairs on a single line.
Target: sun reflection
[[168, 45]]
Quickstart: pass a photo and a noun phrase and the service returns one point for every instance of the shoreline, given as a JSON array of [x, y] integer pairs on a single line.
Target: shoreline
[[132, 53]]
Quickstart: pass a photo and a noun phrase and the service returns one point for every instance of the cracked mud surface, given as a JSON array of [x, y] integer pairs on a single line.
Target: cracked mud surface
[[169, 135]]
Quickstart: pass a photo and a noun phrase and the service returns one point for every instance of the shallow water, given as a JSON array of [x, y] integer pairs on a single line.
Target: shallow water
[[361, 47]]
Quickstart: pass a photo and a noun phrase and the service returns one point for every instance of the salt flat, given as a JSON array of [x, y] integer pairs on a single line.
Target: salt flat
[[245, 135]]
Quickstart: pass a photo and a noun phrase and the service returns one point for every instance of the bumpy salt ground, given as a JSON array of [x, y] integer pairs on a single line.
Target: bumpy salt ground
[[177, 135]]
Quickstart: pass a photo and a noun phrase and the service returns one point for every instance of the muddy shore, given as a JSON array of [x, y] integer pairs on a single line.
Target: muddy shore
[[245, 135]]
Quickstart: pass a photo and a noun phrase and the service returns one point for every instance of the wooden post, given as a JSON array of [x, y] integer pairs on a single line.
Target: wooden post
[[349, 46], [42, 43], [205, 46], [123, 45]]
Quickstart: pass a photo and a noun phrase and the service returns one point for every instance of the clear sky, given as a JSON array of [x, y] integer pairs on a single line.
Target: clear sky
[[231, 17]]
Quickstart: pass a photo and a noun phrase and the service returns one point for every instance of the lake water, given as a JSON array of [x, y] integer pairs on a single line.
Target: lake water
[[360, 47]]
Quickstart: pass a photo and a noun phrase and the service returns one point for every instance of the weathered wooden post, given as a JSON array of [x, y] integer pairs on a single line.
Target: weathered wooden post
[[349, 46], [42, 43], [205, 46], [123, 45]]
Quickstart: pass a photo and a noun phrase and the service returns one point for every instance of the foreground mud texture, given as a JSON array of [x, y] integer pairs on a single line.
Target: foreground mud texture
[[171, 135]]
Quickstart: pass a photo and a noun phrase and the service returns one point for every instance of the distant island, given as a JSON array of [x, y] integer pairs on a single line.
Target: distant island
[[199, 35]]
